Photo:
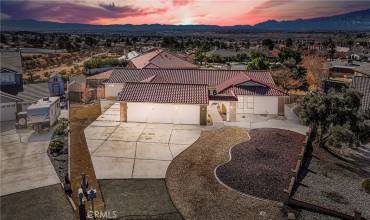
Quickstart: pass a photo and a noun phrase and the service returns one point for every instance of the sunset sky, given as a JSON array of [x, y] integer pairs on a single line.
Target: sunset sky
[[216, 12]]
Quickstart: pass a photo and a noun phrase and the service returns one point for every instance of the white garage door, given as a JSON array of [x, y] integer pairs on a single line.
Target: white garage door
[[8, 111], [257, 104], [163, 113]]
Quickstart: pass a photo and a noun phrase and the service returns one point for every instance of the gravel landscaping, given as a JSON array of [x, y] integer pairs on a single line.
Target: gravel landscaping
[[262, 166], [196, 192], [334, 184], [60, 159]]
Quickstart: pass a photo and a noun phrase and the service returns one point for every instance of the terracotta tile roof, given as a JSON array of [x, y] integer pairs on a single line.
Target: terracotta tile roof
[[186, 76], [235, 80], [226, 80], [256, 91], [160, 58], [101, 76], [164, 93], [362, 85]]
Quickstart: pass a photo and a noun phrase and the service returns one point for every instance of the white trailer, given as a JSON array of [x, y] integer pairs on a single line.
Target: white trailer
[[44, 113]]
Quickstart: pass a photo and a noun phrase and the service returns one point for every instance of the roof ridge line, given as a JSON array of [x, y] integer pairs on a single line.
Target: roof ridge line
[[197, 84]]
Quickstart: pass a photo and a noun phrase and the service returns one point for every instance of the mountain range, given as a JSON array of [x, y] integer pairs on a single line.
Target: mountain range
[[353, 21]]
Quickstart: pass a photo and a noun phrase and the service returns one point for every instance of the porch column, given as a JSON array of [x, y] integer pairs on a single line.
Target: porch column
[[123, 112], [203, 115], [232, 111]]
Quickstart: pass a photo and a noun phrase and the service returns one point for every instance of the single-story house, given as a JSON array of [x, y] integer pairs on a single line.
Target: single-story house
[[56, 84], [182, 96], [11, 71], [160, 58], [76, 88], [95, 84]]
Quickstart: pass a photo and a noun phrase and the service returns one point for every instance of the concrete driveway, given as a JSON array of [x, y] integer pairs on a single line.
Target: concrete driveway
[[135, 150], [25, 164]]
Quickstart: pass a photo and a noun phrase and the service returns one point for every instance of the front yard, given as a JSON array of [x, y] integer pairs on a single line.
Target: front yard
[[196, 192]]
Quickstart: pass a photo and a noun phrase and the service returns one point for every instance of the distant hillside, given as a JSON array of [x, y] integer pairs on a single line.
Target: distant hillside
[[354, 21]]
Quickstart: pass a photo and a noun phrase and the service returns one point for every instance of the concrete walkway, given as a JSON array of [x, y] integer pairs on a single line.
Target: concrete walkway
[[289, 122], [215, 115], [135, 150], [25, 164]]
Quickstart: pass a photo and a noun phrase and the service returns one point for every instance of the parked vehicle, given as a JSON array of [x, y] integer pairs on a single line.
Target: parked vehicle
[[44, 113]]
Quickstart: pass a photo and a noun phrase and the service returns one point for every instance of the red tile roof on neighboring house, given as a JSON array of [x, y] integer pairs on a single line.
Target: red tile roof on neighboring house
[[164, 93], [101, 76], [159, 58]]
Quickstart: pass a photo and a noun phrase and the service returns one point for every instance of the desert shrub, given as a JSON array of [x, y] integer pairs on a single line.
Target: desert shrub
[[59, 130], [366, 185], [56, 146], [223, 109]]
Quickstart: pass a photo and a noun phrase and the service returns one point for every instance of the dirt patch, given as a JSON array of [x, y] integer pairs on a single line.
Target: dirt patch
[[262, 166], [195, 190], [80, 117]]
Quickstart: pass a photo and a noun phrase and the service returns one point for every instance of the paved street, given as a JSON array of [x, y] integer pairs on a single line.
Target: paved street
[[135, 150], [42, 203], [138, 199], [25, 164]]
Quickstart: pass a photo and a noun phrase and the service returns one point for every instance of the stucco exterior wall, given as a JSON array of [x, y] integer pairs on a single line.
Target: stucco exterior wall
[[257, 105], [112, 90]]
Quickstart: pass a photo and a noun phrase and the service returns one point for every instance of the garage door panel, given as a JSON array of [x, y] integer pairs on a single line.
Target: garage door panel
[[163, 113], [187, 114], [8, 111]]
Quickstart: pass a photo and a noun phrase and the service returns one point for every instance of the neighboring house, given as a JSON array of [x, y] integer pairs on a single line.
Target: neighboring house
[[95, 84], [31, 93], [9, 105], [224, 53], [183, 96], [11, 71], [77, 90], [97, 80], [159, 58], [346, 70], [362, 85], [273, 54], [56, 85], [132, 54]]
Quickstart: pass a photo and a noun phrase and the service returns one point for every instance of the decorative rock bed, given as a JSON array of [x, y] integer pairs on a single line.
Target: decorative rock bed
[[262, 166], [59, 155]]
